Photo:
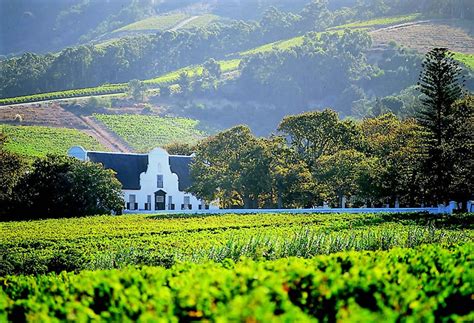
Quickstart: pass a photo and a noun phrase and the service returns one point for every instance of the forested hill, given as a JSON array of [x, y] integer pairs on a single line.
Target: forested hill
[[255, 66], [50, 25]]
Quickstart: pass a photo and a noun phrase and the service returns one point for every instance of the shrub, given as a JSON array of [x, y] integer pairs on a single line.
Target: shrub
[[18, 118]]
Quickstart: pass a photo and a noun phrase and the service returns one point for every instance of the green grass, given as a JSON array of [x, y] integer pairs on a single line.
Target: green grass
[[164, 22], [283, 44], [37, 141], [201, 21], [191, 71], [466, 59], [105, 89], [229, 65], [171, 77], [144, 133], [379, 22]]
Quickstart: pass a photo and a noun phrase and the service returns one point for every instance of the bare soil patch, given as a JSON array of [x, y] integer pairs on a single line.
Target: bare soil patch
[[51, 115], [423, 36]]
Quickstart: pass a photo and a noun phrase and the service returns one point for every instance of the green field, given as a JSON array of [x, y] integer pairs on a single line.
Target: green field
[[191, 71], [37, 141], [106, 89], [144, 133], [106, 242], [360, 25], [379, 22], [155, 23], [166, 22], [466, 59], [255, 267], [201, 21]]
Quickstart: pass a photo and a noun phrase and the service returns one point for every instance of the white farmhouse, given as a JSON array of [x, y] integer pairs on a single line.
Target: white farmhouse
[[153, 181]]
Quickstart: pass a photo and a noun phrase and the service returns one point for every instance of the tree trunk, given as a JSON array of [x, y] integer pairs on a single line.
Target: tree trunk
[[279, 199]]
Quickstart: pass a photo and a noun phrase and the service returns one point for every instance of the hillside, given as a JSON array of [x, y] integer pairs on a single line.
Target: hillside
[[256, 85], [457, 35], [37, 141], [144, 133], [171, 22], [124, 129], [407, 31]]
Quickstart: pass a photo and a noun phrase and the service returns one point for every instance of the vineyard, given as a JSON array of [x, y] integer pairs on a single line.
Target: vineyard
[[155, 23], [166, 22], [107, 242], [258, 267], [379, 22], [119, 89], [144, 133], [99, 90], [360, 25], [201, 21], [37, 141]]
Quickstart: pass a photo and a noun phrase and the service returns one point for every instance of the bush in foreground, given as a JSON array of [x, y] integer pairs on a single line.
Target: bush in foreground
[[428, 283], [60, 186]]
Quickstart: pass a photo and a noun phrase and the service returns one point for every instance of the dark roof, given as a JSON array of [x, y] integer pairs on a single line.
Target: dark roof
[[180, 166], [127, 166]]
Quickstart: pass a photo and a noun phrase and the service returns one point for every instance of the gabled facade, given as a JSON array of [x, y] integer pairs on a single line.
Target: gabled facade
[[150, 182]]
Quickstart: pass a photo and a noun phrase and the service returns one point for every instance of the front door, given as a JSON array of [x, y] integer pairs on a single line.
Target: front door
[[160, 197]]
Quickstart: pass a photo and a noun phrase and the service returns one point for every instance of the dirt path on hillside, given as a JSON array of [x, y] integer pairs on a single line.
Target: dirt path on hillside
[[105, 136], [406, 24], [181, 24], [424, 35]]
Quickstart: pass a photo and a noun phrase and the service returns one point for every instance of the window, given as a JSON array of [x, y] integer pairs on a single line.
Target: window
[[160, 199], [159, 181], [187, 200], [132, 202]]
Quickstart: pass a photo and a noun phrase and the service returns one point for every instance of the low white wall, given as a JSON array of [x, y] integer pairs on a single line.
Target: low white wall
[[296, 211]]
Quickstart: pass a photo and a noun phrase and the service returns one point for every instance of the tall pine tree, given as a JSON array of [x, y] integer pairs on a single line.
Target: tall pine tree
[[442, 84]]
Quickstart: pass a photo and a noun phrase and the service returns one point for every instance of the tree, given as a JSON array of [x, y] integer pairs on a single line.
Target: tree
[[184, 83], [212, 68], [136, 90], [233, 167], [290, 176], [395, 143], [462, 149], [178, 148], [441, 83], [344, 174], [59, 186], [313, 134], [315, 15], [95, 102], [11, 170]]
